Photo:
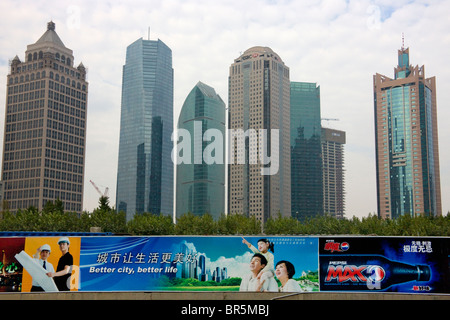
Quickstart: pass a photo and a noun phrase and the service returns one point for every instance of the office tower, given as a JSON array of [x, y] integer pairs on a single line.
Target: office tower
[[201, 174], [406, 141], [306, 151], [45, 127], [145, 168], [333, 172], [259, 129]]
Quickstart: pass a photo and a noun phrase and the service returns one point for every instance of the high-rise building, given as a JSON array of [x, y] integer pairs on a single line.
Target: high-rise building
[[201, 175], [406, 140], [145, 168], [45, 127], [306, 152], [259, 172], [333, 172]]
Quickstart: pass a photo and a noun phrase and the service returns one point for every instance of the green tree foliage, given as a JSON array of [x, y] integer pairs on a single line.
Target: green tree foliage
[[238, 224], [54, 218], [150, 224]]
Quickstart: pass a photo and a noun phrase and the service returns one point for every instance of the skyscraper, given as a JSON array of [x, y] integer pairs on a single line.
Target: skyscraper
[[406, 140], [306, 151], [145, 168], [259, 125], [201, 178], [45, 127], [333, 172]]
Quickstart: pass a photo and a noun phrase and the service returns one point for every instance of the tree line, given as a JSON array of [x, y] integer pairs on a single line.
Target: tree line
[[53, 218]]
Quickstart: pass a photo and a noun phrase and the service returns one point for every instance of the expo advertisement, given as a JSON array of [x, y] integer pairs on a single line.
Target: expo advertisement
[[228, 263]]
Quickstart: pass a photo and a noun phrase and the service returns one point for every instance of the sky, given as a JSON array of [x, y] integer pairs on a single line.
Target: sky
[[337, 44]]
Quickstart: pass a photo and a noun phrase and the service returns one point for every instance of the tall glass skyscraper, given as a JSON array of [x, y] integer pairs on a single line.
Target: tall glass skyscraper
[[145, 168], [201, 180], [406, 142], [306, 151]]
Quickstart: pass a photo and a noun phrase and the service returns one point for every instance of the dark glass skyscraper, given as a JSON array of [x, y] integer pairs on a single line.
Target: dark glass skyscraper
[[406, 136], [306, 151], [201, 181], [145, 168]]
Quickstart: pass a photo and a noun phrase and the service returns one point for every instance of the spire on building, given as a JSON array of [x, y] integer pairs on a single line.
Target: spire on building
[[51, 26], [51, 36]]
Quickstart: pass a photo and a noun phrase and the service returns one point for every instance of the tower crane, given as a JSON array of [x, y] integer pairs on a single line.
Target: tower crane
[[104, 194]]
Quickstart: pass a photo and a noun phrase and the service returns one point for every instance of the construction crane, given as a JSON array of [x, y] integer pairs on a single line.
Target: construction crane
[[104, 194]]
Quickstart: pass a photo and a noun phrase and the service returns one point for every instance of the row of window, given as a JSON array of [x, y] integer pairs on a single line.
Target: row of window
[[37, 104], [61, 165], [63, 137], [24, 116], [60, 146], [23, 135], [51, 124], [30, 86], [23, 145], [52, 75], [50, 187], [62, 117], [23, 155], [40, 55]]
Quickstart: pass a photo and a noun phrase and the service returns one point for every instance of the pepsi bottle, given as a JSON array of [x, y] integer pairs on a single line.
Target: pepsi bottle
[[367, 272]]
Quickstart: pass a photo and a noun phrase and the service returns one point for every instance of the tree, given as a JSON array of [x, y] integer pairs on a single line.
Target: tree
[[150, 224], [238, 224], [104, 203]]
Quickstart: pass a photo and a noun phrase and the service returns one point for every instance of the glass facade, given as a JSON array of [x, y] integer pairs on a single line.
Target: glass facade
[[306, 151], [200, 179], [145, 168], [406, 142], [402, 184]]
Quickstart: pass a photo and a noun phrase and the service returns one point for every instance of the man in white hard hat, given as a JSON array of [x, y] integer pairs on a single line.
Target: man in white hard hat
[[64, 268], [41, 257]]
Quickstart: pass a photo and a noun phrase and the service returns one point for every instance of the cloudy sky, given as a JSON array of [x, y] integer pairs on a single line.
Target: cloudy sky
[[337, 44]]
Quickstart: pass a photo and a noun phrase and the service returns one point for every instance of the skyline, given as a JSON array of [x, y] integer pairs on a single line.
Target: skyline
[[99, 34]]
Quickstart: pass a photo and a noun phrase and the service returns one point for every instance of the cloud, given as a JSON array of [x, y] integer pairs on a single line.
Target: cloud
[[237, 266], [338, 44]]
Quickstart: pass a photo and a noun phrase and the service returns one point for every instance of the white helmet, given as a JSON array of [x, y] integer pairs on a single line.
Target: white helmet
[[64, 239], [46, 247]]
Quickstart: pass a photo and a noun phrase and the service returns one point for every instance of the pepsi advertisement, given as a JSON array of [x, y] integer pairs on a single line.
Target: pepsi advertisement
[[375, 264]]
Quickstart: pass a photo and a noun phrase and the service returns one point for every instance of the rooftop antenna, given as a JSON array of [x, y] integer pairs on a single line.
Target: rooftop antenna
[[403, 41], [148, 33]]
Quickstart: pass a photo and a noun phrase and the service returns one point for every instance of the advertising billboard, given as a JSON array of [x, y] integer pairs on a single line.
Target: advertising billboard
[[386, 264], [195, 263], [225, 263]]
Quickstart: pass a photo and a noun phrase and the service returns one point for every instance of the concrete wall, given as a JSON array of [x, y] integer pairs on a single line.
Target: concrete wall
[[216, 296]]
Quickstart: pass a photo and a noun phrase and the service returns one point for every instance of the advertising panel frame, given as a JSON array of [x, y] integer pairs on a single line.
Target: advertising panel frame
[[416, 265]]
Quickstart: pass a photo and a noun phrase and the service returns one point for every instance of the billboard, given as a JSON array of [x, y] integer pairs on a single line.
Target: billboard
[[392, 264], [192, 263], [22, 264], [228, 263]]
